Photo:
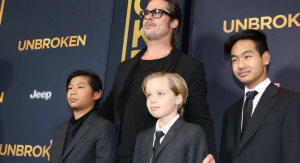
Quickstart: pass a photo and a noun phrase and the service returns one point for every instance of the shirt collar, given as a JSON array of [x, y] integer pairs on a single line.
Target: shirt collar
[[261, 87], [168, 126], [82, 119]]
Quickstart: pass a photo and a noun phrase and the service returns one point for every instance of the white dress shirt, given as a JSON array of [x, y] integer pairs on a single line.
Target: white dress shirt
[[260, 88], [164, 129]]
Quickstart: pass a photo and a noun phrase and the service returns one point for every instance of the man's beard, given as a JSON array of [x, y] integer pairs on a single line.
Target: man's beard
[[150, 35]]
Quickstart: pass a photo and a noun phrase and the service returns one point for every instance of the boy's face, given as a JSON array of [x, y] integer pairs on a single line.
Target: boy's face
[[80, 94], [247, 64], [161, 101]]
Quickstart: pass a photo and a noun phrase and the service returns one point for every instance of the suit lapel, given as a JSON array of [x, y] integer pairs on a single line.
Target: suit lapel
[[237, 122], [83, 129], [149, 143], [127, 73], [262, 109], [169, 136], [171, 60], [124, 78]]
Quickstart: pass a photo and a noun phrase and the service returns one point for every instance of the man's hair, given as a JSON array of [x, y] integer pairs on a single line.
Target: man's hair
[[258, 37], [176, 83], [94, 82], [175, 11]]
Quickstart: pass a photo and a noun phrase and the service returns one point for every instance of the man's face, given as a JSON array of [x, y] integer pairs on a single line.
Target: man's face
[[247, 64], [157, 28]]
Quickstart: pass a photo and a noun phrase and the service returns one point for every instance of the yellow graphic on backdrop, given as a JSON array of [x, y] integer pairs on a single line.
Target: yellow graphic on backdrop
[[1, 97], [279, 21], [137, 30], [24, 150], [47, 43], [1, 10]]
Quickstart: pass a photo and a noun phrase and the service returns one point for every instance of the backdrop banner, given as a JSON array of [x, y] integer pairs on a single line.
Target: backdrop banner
[[41, 43], [213, 23]]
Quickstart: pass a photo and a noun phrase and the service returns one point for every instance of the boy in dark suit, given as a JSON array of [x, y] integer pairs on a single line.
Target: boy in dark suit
[[264, 125], [172, 139], [86, 137]]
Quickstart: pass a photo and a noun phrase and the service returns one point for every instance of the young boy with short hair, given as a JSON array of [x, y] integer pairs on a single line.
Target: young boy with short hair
[[172, 139], [86, 137]]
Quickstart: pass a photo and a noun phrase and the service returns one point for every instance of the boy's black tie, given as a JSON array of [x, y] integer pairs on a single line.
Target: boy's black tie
[[158, 134], [248, 105]]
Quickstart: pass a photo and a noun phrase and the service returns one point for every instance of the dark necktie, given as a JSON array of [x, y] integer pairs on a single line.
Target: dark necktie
[[158, 134], [248, 105]]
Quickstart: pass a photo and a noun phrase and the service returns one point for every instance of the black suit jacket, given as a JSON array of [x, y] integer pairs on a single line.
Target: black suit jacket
[[273, 132], [184, 143], [192, 70], [94, 142]]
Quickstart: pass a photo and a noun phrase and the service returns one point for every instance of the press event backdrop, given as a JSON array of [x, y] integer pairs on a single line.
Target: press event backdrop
[[42, 42], [213, 22]]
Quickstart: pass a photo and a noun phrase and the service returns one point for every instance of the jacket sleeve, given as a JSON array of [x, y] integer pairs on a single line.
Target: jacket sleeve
[[136, 156], [54, 156], [197, 145], [106, 143], [197, 107], [107, 108], [291, 131], [223, 147]]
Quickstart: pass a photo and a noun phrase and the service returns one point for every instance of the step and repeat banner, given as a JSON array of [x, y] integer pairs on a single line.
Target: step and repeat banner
[[41, 43], [214, 22]]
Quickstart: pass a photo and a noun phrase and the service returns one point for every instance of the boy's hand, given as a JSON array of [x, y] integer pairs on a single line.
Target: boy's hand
[[50, 145], [209, 159]]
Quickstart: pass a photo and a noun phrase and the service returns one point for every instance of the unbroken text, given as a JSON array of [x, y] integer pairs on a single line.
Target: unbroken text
[[47, 43]]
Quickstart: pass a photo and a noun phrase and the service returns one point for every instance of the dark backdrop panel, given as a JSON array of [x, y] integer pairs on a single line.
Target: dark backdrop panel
[[31, 121], [208, 35]]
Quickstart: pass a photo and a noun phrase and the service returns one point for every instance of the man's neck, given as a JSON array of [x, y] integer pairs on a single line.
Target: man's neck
[[157, 49]]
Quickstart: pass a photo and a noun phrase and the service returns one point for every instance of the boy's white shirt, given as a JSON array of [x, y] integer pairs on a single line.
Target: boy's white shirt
[[260, 88], [164, 129]]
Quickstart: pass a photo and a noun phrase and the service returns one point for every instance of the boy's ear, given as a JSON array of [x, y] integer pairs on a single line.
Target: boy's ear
[[97, 95], [266, 58], [179, 99]]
